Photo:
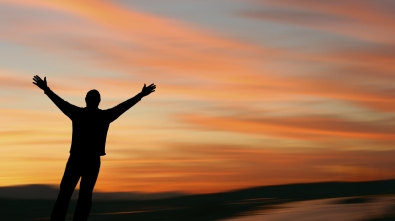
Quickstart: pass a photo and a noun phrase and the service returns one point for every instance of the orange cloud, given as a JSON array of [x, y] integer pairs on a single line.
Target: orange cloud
[[306, 128], [225, 167]]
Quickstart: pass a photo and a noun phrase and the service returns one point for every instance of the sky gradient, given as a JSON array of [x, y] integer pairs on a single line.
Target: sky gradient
[[248, 92]]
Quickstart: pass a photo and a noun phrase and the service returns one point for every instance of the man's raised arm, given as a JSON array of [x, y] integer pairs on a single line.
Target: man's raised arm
[[115, 112], [64, 106]]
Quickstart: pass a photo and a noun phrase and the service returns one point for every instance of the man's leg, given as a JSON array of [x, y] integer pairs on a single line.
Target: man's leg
[[67, 186], [88, 181]]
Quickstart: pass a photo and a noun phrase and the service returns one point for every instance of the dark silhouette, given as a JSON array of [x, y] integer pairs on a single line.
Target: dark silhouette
[[203, 207], [90, 126]]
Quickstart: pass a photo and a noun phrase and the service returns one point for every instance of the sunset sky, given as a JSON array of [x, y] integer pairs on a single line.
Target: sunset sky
[[249, 92]]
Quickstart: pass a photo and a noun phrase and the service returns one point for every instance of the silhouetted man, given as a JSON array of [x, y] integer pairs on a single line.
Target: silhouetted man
[[90, 126]]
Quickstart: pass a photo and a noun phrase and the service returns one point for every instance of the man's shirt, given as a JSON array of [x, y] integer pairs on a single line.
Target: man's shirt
[[90, 126]]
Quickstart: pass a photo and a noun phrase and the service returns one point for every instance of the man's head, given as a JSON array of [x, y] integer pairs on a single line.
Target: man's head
[[92, 99]]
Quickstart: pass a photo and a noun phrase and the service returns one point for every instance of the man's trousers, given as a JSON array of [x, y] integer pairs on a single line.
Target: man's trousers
[[77, 166]]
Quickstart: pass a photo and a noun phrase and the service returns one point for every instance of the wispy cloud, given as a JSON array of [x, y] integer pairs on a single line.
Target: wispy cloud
[[363, 20], [308, 127]]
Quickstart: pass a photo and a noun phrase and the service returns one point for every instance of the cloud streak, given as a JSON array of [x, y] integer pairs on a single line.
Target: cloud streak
[[363, 20], [306, 128], [210, 168]]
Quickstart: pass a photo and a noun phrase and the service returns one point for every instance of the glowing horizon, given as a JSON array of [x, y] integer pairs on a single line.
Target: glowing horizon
[[249, 93]]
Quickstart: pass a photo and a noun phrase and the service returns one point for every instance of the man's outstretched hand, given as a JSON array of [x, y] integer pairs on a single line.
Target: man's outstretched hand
[[148, 90], [40, 82]]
